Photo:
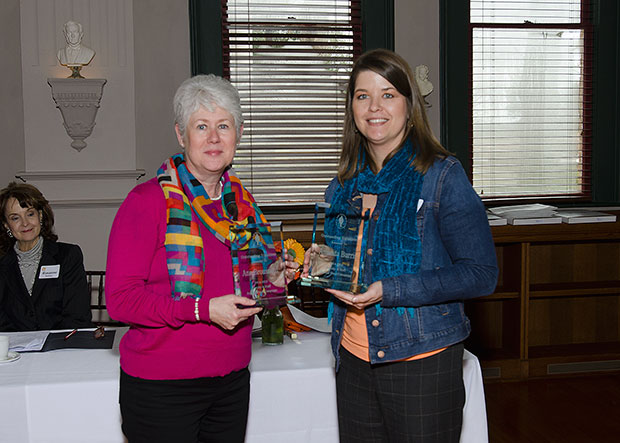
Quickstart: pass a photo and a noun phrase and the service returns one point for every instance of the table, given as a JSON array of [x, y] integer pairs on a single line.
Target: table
[[475, 429], [293, 392], [68, 396], [71, 395]]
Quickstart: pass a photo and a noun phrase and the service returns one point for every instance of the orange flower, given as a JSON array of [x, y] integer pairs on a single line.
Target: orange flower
[[295, 250]]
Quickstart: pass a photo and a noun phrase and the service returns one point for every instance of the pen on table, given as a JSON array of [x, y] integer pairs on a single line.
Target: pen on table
[[291, 334], [68, 336]]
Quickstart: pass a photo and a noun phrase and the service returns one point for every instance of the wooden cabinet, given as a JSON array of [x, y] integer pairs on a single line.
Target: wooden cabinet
[[556, 309]]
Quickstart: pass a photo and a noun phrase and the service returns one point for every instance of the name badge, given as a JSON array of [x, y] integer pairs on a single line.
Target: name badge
[[49, 271]]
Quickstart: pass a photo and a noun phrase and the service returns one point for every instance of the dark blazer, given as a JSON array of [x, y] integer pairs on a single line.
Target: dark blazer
[[62, 302]]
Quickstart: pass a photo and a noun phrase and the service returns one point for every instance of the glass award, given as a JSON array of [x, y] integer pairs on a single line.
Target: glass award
[[336, 262], [258, 268]]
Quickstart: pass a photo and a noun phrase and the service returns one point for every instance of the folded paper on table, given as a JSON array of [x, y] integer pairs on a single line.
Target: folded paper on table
[[26, 341], [316, 323], [257, 325]]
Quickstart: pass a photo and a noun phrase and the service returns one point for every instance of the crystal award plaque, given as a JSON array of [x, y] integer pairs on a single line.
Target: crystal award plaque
[[258, 270], [336, 261]]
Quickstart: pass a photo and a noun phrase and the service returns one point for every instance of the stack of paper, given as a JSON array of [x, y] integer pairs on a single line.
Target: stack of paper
[[573, 216], [532, 214], [496, 220]]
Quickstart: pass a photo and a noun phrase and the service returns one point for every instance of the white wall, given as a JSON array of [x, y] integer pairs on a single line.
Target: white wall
[[416, 38], [162, 62], [11, 109], [108, 29], [142, 50]]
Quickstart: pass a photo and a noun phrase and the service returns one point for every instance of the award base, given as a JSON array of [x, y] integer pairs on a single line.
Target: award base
[[318, 282], [277, 301]]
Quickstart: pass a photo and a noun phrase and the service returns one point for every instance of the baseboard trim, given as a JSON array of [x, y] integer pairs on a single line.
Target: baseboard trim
[[580, 367]]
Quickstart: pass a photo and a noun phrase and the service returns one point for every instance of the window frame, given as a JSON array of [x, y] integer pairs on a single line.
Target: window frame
[[205, 28], [206, 51], [455, 55]]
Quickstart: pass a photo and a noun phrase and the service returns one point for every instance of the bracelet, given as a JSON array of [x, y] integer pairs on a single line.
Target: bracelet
[[196, 310]]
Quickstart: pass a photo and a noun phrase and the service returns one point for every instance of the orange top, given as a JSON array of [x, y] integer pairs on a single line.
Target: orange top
[[354, 332], [355, 336]]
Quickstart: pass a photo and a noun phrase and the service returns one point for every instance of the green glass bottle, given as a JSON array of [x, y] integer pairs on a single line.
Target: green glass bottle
[[273, 326]]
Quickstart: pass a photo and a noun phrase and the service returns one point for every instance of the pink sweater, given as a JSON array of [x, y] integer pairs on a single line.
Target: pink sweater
[[165, 341]]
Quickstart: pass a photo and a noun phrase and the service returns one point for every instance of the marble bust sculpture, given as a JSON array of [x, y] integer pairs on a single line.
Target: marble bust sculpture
[[421, 76], [74, 54], [424, 84]]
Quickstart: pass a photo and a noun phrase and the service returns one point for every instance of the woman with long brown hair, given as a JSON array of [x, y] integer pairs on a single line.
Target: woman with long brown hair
[[399, 345]]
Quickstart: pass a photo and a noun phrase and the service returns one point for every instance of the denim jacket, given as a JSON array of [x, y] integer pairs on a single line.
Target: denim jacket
[[458, 262]]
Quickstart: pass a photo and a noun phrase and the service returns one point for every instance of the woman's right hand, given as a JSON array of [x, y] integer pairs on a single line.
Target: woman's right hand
[[225, 312]]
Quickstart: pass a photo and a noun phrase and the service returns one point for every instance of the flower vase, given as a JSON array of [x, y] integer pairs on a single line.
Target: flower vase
[[272, 326]]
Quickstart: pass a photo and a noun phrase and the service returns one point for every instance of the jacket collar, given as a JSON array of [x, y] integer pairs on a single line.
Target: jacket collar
[[48, 257]]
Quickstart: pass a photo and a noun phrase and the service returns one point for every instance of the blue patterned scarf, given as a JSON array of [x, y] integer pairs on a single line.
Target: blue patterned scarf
[[397, 246]]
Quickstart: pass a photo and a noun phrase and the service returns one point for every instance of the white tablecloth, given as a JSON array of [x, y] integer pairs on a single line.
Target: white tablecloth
[[71, 396], [474, 428], [63, 396], [293, 392]]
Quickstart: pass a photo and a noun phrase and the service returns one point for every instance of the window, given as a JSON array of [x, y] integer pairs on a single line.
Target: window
[[531, 98], [290, 61], [286, 176]]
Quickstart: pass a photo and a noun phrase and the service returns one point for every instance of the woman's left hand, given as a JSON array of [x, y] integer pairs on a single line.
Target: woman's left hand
[[373, 295]]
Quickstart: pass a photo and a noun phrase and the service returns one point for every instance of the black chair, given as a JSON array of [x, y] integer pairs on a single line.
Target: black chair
[[96, 289], [313, 301]]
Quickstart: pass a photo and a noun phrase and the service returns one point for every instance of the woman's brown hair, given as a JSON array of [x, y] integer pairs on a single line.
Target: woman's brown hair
[[27, 196], [396, 70]]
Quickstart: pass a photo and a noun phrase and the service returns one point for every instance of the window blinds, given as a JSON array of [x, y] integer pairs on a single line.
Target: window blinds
[[531, 106], [290, 61]]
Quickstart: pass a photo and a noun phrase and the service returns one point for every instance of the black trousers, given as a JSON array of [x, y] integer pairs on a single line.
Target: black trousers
[[416, 401], [210, 409]]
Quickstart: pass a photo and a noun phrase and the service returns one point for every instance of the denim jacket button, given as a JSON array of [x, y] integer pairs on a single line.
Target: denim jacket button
[[369, 251], [375, 322], [380, 354]]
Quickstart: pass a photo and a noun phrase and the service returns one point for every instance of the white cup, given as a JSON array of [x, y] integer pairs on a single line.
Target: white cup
[[4, 347]]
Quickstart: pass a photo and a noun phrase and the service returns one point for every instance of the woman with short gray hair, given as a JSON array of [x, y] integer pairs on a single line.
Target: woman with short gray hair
[[184, 360]]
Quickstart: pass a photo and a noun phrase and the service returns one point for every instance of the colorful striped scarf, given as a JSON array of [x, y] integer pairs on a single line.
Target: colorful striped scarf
[[187, 205]]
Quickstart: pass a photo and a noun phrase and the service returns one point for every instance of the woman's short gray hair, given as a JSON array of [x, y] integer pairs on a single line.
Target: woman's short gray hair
[[207, 91]]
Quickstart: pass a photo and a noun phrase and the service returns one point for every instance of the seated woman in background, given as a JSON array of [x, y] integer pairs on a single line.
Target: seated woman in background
[[42, 281]]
